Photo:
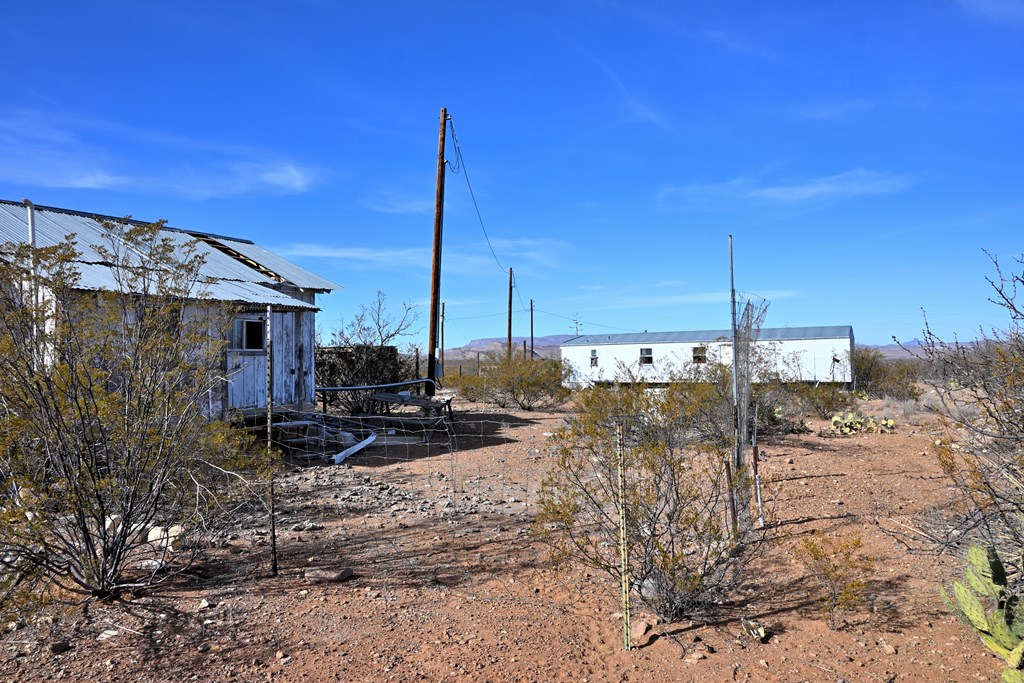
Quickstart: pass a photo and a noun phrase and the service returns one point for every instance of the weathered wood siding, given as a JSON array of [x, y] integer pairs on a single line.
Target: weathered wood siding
[[247, 379]]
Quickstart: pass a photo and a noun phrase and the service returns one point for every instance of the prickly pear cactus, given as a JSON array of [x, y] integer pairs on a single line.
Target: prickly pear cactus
[[851, 423], [1002, 627]]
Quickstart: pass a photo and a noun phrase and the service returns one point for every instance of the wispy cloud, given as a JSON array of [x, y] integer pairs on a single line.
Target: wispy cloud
[[832, 111], [719, 297], [858, 182], [736, 43], [45, 150], [637, 109], [393, 201], [1003, 11], [360, 257], [841, 185]]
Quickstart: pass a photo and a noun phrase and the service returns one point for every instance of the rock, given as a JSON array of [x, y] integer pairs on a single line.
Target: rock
[[59, 647], [107, 634], [327, 575], [887, 648]]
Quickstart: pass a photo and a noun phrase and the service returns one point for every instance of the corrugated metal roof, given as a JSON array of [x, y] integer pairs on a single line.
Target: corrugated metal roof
[[297, 275], [767, 334], [227, 278]]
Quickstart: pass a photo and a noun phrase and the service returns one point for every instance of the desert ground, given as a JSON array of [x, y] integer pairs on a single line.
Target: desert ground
[[449, 583]]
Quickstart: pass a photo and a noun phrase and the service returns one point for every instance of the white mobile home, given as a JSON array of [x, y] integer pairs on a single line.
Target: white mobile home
[[812, 354], [237, 276]]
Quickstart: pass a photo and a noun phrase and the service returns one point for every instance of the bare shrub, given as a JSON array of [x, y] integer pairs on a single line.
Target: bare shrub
[[103, 434], [825, 399], [683, 555], [364, 352], [516, 381], [836, 564], [978, 390], [881, 377]]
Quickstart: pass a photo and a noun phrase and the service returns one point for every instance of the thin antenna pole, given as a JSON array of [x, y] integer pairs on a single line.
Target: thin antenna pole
[[508, 347], [435, 279], [737, 451]]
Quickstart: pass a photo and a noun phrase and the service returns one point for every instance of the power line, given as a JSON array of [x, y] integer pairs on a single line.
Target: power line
[[585, 322], [460, 165]]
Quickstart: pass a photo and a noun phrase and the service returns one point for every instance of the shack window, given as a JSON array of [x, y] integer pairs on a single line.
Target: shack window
[[646, 356], [593, 358], [249, 335], [700, 354]]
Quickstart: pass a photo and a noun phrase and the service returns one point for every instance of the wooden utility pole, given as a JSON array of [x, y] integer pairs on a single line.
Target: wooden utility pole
[[508, 347], [531, 329], [435, 279]]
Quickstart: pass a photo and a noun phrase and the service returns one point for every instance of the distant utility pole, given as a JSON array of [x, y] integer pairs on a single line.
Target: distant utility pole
[[435, 280], [508, 347], [531, 329], [576, 322]]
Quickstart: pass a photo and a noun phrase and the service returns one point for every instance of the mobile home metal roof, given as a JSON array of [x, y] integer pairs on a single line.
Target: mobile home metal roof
[[225, 276], [767, 334]]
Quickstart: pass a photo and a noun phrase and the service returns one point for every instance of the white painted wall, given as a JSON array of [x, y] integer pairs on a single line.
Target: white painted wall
[[807, 360]]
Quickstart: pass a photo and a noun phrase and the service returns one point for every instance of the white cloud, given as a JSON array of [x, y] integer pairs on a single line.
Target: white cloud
[[719, 297], [858, 182], [832, 111], [360, 256], [399, 203], [44, 150], [1004, 11], [848, 184]]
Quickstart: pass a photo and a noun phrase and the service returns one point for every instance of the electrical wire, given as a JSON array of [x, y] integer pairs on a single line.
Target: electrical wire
[[584, 322], [460, 166]]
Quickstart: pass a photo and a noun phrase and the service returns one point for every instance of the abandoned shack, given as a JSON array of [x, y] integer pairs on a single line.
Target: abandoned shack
[[237, 273]]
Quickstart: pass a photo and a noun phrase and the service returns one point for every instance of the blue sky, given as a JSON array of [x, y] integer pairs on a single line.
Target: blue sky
[[863, 155]]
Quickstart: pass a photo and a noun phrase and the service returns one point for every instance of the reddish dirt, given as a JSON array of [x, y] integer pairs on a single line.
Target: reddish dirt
[[449, 584]]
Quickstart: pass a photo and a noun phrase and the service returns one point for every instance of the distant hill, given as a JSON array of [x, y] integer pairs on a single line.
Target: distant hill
[[549, 340], [908, 349]]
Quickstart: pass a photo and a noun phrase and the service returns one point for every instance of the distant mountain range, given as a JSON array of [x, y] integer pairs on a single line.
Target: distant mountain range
[[549, 340]]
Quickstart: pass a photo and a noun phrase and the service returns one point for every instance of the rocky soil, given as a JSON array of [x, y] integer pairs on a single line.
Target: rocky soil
[[417, 563]]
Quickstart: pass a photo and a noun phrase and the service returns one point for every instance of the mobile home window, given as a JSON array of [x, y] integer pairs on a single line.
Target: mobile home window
[[593, 358], [646, 356], [249, 335], [700, 354]]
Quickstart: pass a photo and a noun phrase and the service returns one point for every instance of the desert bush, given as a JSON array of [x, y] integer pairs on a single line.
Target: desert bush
[[103, 433], [824, 400], [469, 387], [683, 553], [881, 377], [517, 381], [839, 569], [979, 394]]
